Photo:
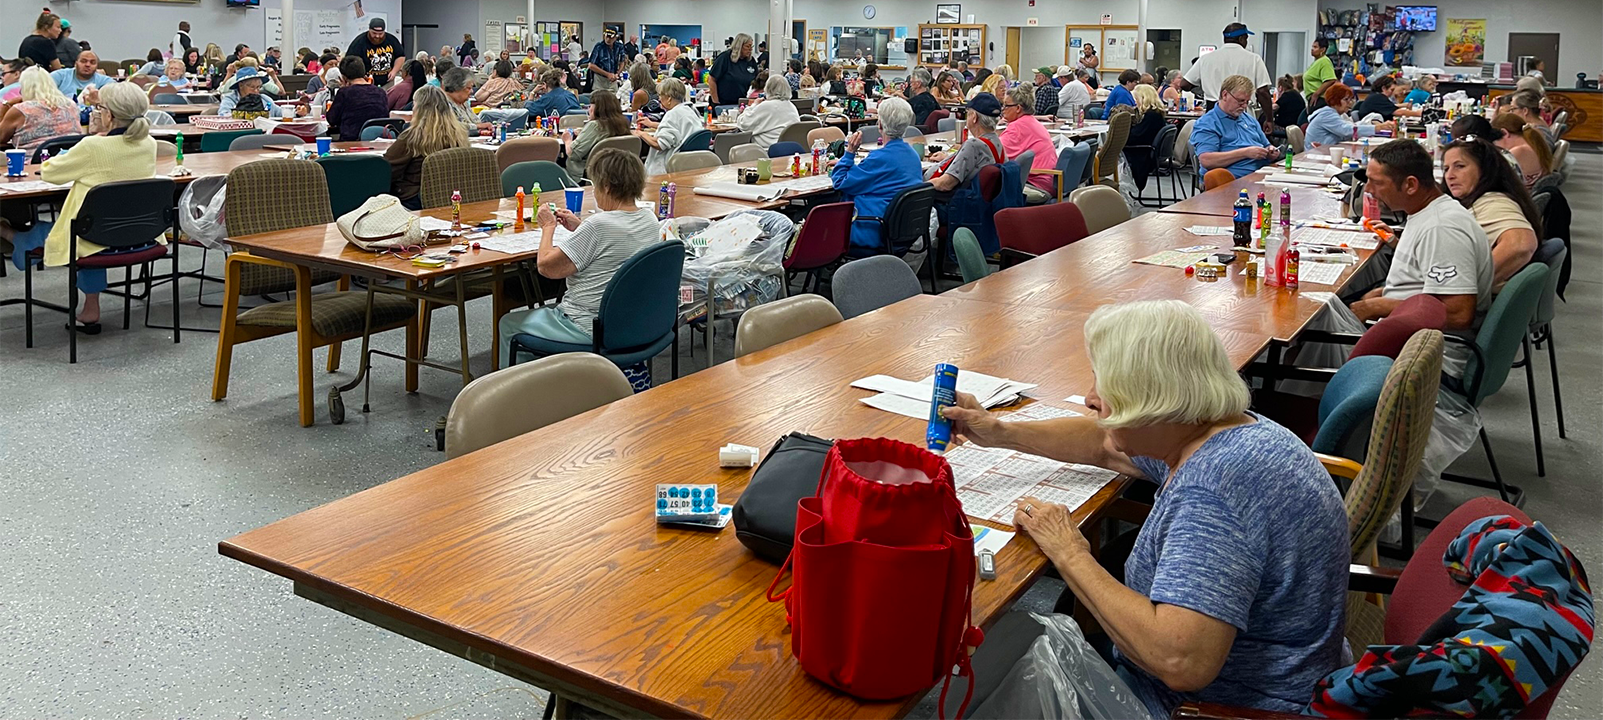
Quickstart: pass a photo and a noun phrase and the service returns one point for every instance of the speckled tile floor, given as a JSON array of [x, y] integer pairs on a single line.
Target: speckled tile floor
[[121, 476]]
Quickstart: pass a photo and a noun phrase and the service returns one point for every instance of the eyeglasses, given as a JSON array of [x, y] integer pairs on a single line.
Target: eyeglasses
[[1009, 105]]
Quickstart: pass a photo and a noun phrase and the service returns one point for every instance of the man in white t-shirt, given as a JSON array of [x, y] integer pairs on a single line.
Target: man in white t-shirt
[[1075, 94], [1442, 252], [1232, 58]]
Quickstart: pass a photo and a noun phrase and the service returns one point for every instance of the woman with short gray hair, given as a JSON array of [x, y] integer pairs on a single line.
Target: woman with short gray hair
[[765, 119], [732, 71], [1243, 512], [677, 125], [879, 178]]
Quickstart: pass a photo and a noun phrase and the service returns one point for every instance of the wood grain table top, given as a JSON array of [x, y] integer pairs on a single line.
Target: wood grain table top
[[542, 550], [1101, 269], [1306, 202]]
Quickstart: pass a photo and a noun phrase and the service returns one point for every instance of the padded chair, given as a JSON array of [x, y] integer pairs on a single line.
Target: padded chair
[[1105, 166], [169, 99], [723, 143], [784, 319], [159, 118], [524, 398], [639, 313], [870, 133], [352, 179], [697, 141], [932, 122], [627, 143], [970, 257], [471, 170], [1551, 253], [271, 195], [906, 221], [54, 146], [796, 132], [863, 286], [548, 175], [1217, 177], [1420, 594], [804, 105], [1027, 232], [529, 149], [165, 148], [1181, 159], [369, 134], [392, 126], [254, 142], [1102, 206], [223, 140], [693, 160], [946, 124], [746, 153], [1162, 149], [1294, 139], [785, 148], [911, 133], [827, 134], [1070, 168], [821, 242], [573, 121]]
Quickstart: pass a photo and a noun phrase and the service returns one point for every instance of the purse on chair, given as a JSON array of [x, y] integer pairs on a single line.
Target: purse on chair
[[381, 223], [883, 573]]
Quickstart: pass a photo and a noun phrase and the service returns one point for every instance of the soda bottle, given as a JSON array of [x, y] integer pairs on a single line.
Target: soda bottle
[[1285, 208], [518, 222], [1293, 257], [456, 209], [1243, 220]]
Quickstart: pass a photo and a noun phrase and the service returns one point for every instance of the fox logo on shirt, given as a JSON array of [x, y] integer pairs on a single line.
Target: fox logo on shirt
[[1442, 273]]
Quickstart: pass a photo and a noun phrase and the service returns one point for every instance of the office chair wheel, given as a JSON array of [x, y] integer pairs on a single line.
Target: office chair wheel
[[336, 406]]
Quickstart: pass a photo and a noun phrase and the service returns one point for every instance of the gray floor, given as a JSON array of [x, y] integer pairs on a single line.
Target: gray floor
[[123, 475]]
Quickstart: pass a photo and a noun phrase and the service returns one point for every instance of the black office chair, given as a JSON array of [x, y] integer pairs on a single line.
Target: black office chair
[[169, 99], [1163, 165], [126, 217], [906, 221], [54, 146]]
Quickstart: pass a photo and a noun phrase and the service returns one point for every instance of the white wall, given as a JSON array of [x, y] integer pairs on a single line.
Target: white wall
[[124, 30], [1578, 22], [456, 17]]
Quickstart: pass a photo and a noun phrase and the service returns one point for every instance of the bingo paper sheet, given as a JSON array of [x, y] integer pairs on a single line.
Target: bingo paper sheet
[[990, 480], [1181, 257]]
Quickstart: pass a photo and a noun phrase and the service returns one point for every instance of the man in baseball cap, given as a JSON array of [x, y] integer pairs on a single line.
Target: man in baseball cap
[[380, 50], [1046, 91], [1232, 58], [982, 148]]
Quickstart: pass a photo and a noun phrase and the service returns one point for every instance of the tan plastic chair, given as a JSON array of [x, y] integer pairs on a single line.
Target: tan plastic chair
[[527, 149], [572, 121], [746, 153], [827, 134], [1294, 138], [1105, 165], [772, 323], [165, 149], [1102, 206], [796, 132], [529, 396], [626, 143], [723, 142], [693, 160]]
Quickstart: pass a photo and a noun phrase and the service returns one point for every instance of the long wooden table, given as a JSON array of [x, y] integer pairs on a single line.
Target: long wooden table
[[1306, 202], [539, 558]]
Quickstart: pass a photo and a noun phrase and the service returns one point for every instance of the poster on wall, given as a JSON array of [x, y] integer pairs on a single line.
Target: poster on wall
[[1466, 42], [1119, 50], [492, 39]]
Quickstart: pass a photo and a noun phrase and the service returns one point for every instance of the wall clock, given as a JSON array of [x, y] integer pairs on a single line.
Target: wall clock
[[868, 12]]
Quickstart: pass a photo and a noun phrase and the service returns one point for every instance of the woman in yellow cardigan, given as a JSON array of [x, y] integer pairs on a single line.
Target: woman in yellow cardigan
[[126, 152]]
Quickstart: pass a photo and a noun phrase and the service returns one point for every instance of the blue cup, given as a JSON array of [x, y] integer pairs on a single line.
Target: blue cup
[[323, 146], [575, 197], [15, 159]]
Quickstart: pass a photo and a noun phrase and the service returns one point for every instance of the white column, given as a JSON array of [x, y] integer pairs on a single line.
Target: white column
[[1141, 58], [778, 35], [287, 19], [530, 25]]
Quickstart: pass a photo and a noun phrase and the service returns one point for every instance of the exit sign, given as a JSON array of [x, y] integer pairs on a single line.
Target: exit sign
[[1032, 22]]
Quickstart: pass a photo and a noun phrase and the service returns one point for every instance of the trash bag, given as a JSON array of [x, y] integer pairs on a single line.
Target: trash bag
[[200, 213], [741, 258], [1062, 676]]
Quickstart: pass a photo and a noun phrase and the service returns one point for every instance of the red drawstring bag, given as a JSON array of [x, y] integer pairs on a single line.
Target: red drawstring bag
[[883, 573]]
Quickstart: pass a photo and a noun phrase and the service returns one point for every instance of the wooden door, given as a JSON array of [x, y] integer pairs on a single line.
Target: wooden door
[[1540, 45], [1013, 43]]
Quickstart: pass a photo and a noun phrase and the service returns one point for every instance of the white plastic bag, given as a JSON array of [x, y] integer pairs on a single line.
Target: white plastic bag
[[1061, 676], [200, 213], [741, 257]]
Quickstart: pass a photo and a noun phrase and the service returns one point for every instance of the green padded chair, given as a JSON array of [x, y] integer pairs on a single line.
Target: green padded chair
[[548, 175], [470, 170], [1503, 335], [1551, 253], [219, 140], [352, 179], [970, 258]]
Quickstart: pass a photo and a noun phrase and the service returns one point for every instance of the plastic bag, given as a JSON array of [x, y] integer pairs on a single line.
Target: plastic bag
[[200, 213], [1062, 676], [741, 258]]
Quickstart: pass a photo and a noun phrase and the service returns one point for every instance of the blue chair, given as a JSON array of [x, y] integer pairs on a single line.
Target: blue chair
[[786, 149], [373, 132], [698, 140], [639, 313], [721, 109], [1071, 168]]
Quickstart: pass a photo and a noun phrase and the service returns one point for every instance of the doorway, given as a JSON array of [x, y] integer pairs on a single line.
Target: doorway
[[1011, 55], [1285, 52], [1165, 48], [1542, 46]]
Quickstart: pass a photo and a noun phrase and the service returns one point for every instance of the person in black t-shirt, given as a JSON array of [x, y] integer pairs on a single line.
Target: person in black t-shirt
[[1289, 104], [357, 102], [379, 50], [40, 47]]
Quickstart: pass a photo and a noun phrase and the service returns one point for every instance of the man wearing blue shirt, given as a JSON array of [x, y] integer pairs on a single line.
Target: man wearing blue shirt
[[1230, 138], [556, 100], [606, 60], [85, 73], [1120, 94]]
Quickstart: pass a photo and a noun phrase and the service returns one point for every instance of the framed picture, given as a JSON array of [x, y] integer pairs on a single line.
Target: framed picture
[[948, 13]]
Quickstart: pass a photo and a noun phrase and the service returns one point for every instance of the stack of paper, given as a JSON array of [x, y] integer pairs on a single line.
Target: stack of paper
[[23, 186], [523, 242], [736, 191], [912, 399], [1295, 179]]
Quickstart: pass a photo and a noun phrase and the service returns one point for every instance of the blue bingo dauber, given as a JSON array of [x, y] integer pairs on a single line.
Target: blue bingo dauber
[[939, 434]]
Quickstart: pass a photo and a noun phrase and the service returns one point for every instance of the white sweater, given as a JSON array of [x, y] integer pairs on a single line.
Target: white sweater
[[767, 119]]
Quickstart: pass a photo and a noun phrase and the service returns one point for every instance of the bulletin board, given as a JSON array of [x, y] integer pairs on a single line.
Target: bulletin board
[[546, 41], [492, 39], [817, 44], [1121, 49], [938, 43], [571, 29]]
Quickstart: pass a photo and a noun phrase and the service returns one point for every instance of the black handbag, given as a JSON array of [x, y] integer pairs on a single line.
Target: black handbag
[[765, 514]]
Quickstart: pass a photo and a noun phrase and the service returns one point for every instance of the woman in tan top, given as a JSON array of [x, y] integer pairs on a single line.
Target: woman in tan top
[[498, 87], [434, 127], [948, 90], [1476, 175]]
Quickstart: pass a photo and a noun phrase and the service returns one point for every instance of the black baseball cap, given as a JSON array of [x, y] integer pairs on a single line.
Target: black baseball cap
[[376, 23]]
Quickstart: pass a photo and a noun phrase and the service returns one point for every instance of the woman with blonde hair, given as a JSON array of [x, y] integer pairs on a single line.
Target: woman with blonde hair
[[1242, 508], [996, 84], [43, 112], [434, 127], [1006, 71], [1149, 119], [126, 153]]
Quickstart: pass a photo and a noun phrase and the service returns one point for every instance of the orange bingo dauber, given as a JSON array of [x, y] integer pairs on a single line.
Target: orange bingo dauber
[[1378, 229]]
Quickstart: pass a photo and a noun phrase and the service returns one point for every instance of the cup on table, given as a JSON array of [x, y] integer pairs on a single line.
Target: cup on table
[[575, 198], [15, 159], [1338, 155], [324, 145], [765, 169]]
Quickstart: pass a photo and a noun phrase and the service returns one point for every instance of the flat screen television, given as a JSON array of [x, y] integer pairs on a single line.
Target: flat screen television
[[1416, 18], [244, 3]]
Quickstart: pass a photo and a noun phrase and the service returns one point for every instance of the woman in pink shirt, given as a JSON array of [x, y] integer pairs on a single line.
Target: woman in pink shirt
[[1024, 132]]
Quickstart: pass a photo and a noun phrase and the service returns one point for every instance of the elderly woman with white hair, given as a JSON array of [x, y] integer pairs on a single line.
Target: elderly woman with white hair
[[885, 173], [42, 113], [767, 118], [127, 152], [1235, 586], [732, 71], [677, 124]]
